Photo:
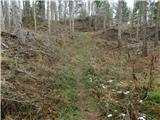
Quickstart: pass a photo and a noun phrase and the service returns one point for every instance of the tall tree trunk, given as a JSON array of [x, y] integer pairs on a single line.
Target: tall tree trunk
[[89, 14], [55, 11], [49, 18], [60, 9], [157, 25], [35, 20], [7, 16], [2, 25], [96, 17], [144, 47], [65, 12], [17, 21], [137, 31], [120, 23], [104, 16], [71, 16]]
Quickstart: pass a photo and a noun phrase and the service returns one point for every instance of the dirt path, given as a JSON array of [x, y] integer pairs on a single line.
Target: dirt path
[[87, 114], [83, 51]]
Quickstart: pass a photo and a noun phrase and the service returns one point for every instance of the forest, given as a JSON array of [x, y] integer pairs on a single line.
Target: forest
[[80, 59]]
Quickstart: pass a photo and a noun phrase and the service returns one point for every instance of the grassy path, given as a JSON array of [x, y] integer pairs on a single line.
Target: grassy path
[[82, 49]]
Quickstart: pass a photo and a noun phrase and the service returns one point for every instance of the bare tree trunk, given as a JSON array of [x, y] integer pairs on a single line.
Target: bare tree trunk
[[35, 20], [157, 25], [7, 16], [120, 23], [96, 17], [89, 14], [104, 16], [17, 21], [65, 12], [137, 31], [2, 26], [71, 16], [49, 18], [60, 9], [144, 47], [55, 11]]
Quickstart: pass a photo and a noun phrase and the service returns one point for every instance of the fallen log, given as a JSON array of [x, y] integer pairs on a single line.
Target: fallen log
[[3, 45], [8, 34]]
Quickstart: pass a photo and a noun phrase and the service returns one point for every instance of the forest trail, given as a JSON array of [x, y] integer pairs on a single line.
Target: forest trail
[[83, 50]]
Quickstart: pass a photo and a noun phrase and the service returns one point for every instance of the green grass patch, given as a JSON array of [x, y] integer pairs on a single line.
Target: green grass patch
[[68, 91], [70, 111], [152, 104], [154, 97], [73, 95], [67, 81], [91, 103]]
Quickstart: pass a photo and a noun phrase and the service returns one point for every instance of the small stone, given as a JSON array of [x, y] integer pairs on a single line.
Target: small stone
[[119, 92], [110, 81], [141, 118], [141, 101], [126, 93], [103, 86], [122, 114], [109, 115]]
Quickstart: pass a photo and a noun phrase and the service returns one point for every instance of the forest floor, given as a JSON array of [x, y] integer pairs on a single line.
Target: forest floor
[[83, 78]]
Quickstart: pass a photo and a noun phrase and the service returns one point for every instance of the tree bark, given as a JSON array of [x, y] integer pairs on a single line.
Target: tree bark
[[120, 23], [35, 20], [7, 16], [71, 15], [104, 17], [2, 18], [49, 18], [65, 12], [96, 17], [137, 32], [17, 21], [144, 47], [89, 14]]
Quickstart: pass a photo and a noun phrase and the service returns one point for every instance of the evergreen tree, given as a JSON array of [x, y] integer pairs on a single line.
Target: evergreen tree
[[27, 8], [40, 8]]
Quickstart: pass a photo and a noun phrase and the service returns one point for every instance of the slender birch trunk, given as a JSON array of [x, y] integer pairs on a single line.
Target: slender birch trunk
[[120, 24], [71, 15], [137, 31], [17, 21], [144, 47], [35, 20], [2, 26], [65, 12], [49, 18], [104, 16]]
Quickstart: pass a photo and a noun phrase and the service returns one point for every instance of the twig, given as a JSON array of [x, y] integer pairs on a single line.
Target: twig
[[23, 71], [4, 45]]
